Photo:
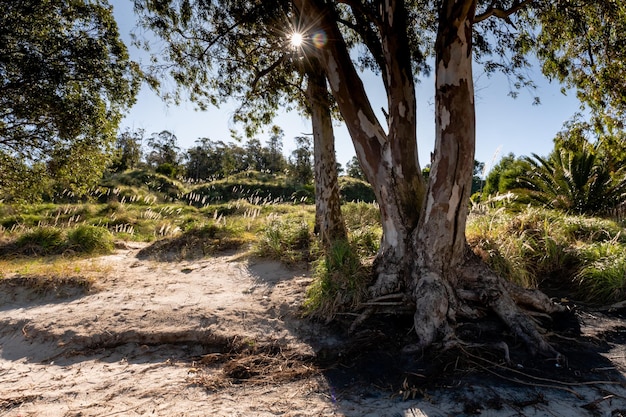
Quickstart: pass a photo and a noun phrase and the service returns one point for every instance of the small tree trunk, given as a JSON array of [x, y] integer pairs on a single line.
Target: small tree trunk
[[329, 221]]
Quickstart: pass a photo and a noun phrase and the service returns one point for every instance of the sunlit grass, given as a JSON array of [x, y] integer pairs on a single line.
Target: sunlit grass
[[46, 273], [532, 247], [585, 256]]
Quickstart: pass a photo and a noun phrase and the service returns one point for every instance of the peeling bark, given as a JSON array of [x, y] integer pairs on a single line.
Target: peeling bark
[[389, 160], [329, 221]]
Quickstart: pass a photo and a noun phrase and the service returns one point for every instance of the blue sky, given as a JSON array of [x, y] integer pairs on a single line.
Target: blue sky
[[504, 124]]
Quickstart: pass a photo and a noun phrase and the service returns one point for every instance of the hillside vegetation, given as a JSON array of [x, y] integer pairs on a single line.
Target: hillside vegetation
[[576, 257]]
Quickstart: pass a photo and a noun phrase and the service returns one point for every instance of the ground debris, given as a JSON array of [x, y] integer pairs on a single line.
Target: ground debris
[[7, 404], [258, 364]]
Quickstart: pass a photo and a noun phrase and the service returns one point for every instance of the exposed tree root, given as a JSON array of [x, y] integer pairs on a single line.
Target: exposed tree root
[[472, 292], [434, 309]]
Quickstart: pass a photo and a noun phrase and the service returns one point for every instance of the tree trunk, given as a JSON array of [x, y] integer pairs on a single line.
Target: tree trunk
[[446, 276], [389, 161], [328, 218]]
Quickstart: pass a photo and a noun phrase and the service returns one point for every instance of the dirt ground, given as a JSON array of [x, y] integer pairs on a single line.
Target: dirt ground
[[223, 336]]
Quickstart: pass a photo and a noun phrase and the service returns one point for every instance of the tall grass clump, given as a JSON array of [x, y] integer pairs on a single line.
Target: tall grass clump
[[90, 240], [526, 247], [602, 277], [285, 238], [40, 241], [581, 256], [340, 282]]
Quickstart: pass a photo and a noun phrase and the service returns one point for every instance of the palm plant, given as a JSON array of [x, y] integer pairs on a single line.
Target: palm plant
[[575, 181]]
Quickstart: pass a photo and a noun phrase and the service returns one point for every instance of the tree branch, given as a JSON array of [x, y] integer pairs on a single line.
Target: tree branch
[[358, 7], [266, 71], [502, 13]]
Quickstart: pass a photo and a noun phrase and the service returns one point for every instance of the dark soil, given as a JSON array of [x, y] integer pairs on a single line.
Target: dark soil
[[373, 360]]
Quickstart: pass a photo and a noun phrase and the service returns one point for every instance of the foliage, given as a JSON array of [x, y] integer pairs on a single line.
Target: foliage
[[163, 149], [574, 181], [213, 53], [287, 239], [127, 151], [352, 189], [581, 44], [301, 161], [602, 278], [210, 160], [354, 170], [50, 240], [41, 241], [503, 176], [90, 240], [77, 168], [21, 182], [198, 241], [65, 80]]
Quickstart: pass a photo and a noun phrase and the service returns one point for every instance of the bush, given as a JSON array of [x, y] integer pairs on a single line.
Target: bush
[[352, 189], [340, 282], [90, 240], [40, 241]]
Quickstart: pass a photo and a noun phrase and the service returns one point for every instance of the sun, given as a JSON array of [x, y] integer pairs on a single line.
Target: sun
[[296, 39]]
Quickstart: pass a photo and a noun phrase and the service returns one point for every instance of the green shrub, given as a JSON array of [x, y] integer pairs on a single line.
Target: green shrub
[[340, 282], [90, 240], [40, 241], [354, 190]]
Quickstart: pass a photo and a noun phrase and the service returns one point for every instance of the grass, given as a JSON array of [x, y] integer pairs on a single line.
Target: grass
[[581, 256], [287, 238], [47, 273], [584, 257], [602, 277], [340, 282]]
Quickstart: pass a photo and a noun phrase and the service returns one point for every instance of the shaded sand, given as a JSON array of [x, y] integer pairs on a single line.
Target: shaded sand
[[223, 336]]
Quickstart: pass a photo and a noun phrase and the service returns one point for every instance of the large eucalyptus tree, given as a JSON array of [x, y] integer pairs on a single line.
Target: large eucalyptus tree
[[424, 259]]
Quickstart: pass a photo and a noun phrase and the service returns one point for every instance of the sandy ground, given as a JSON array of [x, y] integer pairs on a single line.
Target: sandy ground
[[222, 336]]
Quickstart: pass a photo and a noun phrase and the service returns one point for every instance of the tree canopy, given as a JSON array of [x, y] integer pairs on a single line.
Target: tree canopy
[[64, 74]]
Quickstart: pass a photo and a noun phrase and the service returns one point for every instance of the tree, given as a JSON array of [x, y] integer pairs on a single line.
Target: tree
[[77, 167], [329, 221], [65, 75], [163, 149], [274, 154], [581, 44], [424, 256], [255, 155], [127, 150], [503, 176], [575, 180], [353, 169], [22, 182], [244, 50], [300, 167]]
